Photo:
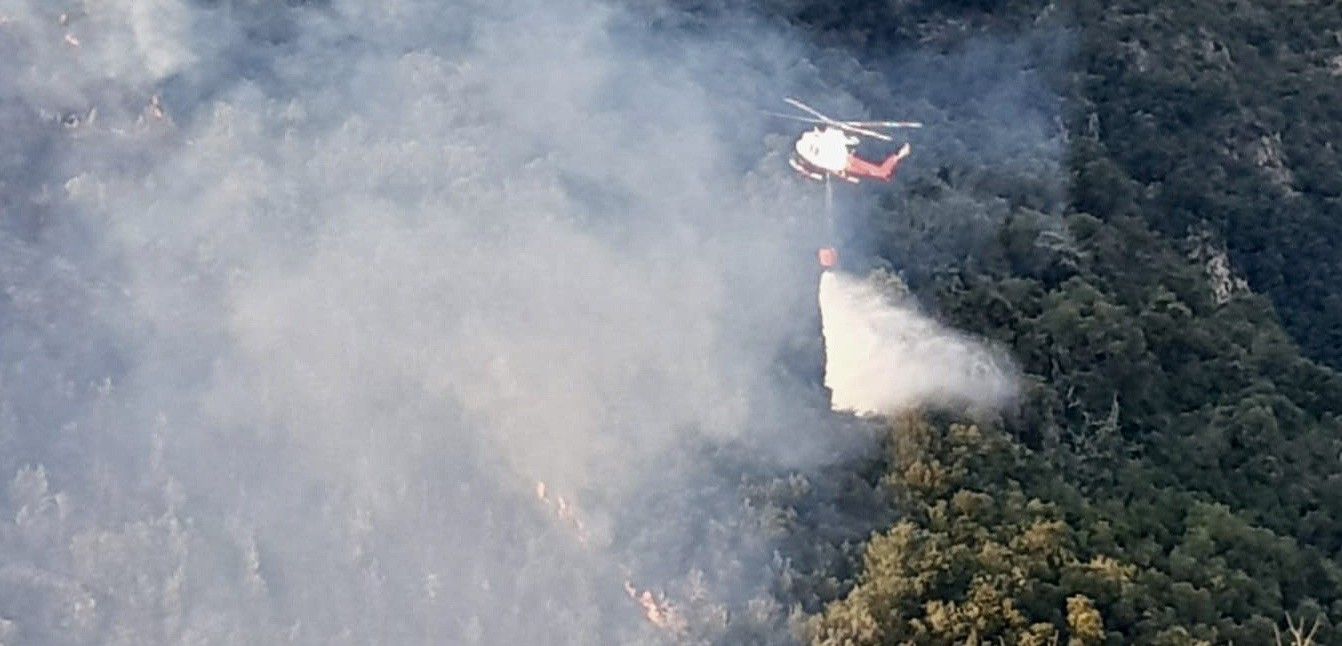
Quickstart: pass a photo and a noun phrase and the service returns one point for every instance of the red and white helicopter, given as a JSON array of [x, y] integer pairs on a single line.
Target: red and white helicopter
[[828, 150]]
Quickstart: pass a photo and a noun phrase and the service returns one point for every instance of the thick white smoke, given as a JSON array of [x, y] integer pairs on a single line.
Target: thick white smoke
[[301, 299], [882, 356], [309, 296]]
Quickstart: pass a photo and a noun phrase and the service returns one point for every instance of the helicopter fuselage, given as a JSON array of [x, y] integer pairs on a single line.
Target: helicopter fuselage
[[826, 149], [829, 151]]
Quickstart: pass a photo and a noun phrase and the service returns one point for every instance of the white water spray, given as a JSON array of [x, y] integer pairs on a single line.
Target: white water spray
[[882, 356]]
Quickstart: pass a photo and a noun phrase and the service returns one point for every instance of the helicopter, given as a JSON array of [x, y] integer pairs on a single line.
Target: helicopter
[[827, 150]]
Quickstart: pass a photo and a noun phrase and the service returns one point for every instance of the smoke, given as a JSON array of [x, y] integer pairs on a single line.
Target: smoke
[[305, 298], [302, 300], [882, 356], [992, 149]]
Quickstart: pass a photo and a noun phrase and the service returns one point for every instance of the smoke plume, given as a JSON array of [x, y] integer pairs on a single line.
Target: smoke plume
[[302, 300]]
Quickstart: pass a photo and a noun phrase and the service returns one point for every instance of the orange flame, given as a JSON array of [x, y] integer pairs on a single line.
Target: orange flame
[[564, 511], [657, 609]]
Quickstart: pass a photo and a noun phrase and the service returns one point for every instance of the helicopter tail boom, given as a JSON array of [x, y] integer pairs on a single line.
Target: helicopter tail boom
[[883, 171]]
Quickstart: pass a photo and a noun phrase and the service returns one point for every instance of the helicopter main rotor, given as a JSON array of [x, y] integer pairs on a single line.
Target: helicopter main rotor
[[857, 127]]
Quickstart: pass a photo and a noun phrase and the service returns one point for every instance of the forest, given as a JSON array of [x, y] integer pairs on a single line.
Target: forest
[[1171, 474], [422, 322]]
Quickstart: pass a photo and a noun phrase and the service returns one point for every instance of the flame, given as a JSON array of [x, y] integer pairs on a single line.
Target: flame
[[564, 511], [657, 609]]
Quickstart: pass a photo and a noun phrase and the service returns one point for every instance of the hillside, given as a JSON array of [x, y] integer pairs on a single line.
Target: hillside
[[1171, 474], [423, 322]]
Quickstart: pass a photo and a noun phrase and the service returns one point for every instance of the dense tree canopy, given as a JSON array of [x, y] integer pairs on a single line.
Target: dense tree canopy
[[1172, 472]]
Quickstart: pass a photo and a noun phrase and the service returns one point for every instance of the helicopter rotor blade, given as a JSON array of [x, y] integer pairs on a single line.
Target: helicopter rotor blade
[[794, 117], [861, 131], [853, 124], [802, 106], [837, 124], [886, 124]]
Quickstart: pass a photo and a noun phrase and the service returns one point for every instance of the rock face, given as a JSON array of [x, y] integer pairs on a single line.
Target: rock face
[[1216, 262], [1267, 155]]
